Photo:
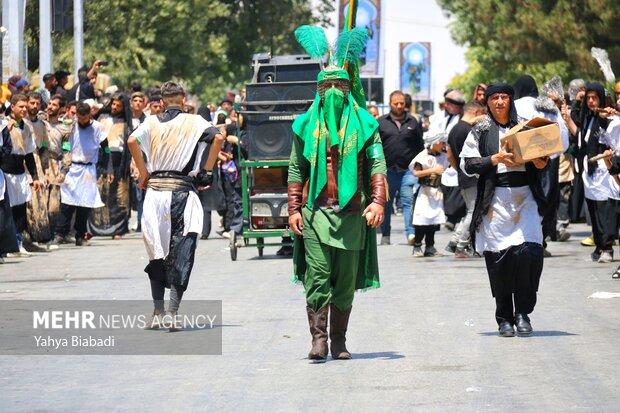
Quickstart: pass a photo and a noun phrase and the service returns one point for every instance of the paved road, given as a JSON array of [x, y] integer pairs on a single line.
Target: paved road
[[426, 340]]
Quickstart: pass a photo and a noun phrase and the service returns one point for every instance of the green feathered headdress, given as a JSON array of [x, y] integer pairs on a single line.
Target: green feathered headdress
[[313, 40], [349, 46]]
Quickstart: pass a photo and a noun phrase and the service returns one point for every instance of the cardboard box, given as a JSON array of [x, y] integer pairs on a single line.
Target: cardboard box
[[533, 139]]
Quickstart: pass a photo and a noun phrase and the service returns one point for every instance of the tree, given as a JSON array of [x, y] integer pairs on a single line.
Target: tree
[[539, 37], [205, 44]]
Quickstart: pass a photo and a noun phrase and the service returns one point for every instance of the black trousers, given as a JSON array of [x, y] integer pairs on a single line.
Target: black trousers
[[514, 271], [20, 217], [575, 203], [604, 217], [233, 217], [425, 233], [66, 215], [551, 187], [524, 302]]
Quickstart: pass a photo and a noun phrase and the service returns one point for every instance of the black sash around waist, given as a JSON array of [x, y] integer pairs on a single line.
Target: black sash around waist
[[81, 163], [511, 179], [171, 181], [13, 164]]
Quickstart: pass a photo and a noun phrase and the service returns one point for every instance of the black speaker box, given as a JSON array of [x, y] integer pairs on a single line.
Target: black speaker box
[[290, 68], [269, 135], [280, 97]]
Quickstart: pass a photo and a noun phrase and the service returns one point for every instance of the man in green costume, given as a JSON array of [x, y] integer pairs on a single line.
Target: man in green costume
[[336, 197]]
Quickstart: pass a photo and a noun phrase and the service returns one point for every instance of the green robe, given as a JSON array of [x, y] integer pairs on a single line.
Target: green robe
[[339, 229]]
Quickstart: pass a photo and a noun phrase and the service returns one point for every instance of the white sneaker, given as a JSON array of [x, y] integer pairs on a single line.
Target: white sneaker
[[226, 235], [410, 239], [605, 257], [1, 260]]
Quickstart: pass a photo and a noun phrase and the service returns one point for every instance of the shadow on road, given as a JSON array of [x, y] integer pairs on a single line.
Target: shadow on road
[[384, 355], [548, 333]]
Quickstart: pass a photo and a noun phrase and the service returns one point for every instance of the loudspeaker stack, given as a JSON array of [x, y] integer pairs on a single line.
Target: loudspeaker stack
[[283, 87]]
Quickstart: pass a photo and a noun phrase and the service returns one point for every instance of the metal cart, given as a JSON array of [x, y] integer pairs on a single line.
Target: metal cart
[[265, 212]]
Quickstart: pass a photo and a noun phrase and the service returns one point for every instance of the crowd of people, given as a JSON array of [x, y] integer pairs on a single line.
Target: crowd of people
[[67, 174], [430, 187], [42, 158], [76, 161]]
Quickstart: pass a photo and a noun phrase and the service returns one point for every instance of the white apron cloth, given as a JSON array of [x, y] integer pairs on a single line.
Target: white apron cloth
[[80, 185], [429, 203], [513, 216], [169, 146], [18, 186]]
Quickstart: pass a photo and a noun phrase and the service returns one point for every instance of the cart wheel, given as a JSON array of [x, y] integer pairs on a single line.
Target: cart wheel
[[233, 245], [260, 242]]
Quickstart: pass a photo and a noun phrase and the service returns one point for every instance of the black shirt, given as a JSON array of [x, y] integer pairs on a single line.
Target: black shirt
[[456, 140], [400, 145]]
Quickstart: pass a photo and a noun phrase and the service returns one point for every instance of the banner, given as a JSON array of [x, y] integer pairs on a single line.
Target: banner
[[368, 16], [415, 69]]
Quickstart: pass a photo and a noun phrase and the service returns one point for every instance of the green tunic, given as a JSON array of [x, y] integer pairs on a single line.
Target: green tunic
[[337, 253]]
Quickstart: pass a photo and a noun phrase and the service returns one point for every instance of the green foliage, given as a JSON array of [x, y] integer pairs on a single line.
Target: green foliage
[[313, 40], [538, 37], [207, 45]]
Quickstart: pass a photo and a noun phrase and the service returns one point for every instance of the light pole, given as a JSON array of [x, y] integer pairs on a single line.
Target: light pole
[[45, 37], [78, 35]]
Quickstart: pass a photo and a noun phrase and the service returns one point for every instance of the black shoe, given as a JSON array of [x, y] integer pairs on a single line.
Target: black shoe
[[285, 251], [524, 328], [430, 251], [417, 250], [506, 329], [595, 255], [79, 242]]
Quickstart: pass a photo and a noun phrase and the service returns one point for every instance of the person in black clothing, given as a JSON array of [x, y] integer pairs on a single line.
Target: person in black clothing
[[510, 203], [401, 135], [85, 89], [62, 78], [472, 112]]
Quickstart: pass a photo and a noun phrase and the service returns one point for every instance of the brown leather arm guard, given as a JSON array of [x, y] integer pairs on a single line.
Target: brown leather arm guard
[[295, 198], [378, 187]]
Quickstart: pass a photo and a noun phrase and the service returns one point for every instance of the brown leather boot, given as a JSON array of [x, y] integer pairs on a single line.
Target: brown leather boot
[[318, 329], [338, 322]]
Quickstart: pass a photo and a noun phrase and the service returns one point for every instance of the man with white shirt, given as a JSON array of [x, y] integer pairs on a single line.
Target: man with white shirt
[[79, 193], [507, 216], [171, 170]]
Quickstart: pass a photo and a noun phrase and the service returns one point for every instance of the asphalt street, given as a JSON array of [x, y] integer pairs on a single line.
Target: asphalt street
[[425, 341]]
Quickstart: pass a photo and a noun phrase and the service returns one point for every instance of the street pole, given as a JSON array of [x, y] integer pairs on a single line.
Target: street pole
[[6, 68], [11, 21], [78, 36], [45, 37]]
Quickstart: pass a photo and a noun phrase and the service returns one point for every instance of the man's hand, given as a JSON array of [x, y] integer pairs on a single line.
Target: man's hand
[[36, 185], [374, 214], [110, 178], [503, 157], [607, 112], [61, 178], [580, 95], [296, 223], [143, 180], [540, 163], [232, 139]]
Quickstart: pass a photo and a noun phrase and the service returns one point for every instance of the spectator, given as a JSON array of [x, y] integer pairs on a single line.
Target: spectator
[[401, 135]]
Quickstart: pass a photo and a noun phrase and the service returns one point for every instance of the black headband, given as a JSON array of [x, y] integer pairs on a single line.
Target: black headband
[[499, 88], [455, 102]]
